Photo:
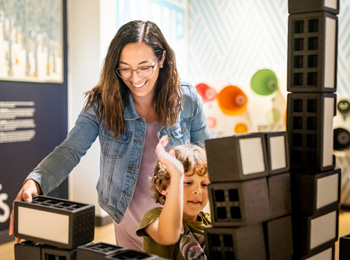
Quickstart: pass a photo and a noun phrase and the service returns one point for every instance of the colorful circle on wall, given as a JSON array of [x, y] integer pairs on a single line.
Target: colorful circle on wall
[[273, 116], [341, 139], [211, 122], [207, 93], [232, 101], [264, 82], [343, 106], [241, 128]]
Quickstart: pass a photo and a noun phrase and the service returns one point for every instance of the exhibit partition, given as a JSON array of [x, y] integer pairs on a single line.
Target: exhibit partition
[[33, 93]]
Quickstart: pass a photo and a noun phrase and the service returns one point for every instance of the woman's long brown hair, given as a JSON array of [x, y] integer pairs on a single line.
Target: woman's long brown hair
[[111, 94]]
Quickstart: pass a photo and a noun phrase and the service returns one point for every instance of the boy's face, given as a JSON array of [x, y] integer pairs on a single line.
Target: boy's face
[[195, 195]]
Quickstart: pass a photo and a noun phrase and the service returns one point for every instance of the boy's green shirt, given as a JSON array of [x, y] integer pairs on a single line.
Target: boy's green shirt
[[152, 247]]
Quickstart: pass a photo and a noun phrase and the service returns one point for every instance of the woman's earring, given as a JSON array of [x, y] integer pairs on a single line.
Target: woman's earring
[[161, 66]]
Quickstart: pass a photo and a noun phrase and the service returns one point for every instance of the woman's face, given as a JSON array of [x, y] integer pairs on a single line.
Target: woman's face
[[139, 56]]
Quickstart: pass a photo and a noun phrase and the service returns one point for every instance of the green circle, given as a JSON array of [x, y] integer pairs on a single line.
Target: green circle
[[264, 82], [343, 106], [273, 116]]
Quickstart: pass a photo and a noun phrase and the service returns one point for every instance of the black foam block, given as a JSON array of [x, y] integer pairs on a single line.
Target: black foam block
[[97, 251], [54, 253], [53, 221], [279, 238], [245, 242], [312, 52], [323, 254], [344, 247], [238, 157], [302, 6], [132, 255], [310, 131], [28, 250], [279, 195], [314, 191], [314, 233], [239, 203], [277, 152]]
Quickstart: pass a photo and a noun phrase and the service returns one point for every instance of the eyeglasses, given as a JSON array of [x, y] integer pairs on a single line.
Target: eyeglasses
[[144, 72]]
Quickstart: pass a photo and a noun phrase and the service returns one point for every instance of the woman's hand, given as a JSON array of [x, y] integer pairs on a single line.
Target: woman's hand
[[29, 190]]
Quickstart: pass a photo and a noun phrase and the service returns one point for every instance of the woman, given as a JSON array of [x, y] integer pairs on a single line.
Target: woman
[[138, 99]]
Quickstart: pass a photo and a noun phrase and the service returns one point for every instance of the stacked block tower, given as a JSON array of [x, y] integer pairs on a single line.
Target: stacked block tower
[[58, 229], [249, 197], [311, 106]]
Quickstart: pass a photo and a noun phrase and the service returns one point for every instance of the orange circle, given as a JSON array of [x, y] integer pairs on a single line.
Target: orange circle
[[232, 101], [241, 128]]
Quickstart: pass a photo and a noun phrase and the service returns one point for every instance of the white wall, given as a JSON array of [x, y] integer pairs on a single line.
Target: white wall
[[171, 17], [90, 28]]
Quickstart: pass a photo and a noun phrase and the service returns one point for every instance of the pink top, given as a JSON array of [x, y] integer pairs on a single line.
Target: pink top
[[142, 200]]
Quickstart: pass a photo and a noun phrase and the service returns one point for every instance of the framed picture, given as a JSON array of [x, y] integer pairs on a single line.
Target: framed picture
[[31, 40]]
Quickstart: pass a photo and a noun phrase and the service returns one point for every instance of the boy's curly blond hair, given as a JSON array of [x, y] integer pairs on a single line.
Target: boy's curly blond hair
[[194, 160]]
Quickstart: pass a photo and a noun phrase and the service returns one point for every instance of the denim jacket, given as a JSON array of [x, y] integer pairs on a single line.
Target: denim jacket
[[120, 158]]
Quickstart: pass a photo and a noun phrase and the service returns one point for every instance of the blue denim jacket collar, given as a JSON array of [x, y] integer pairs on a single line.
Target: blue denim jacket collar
[[130, 111]]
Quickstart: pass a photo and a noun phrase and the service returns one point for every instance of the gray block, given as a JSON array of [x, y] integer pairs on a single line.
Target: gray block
[[97, 251], [239, 203], [243, 243], [236, 158], [28, 250], [344, 247], [323, 254], [279, 195], [53, 221], [312, 52], [310, 131], [302, 6], [279, 238], [54, 253], [132, 255], [314, 233], [314, 191]]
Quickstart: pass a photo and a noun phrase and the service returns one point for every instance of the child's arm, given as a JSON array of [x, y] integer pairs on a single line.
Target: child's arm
[[166, 229]]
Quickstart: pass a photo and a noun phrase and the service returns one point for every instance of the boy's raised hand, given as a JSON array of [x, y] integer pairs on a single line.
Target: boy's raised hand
[[172, 211], [172, 165]]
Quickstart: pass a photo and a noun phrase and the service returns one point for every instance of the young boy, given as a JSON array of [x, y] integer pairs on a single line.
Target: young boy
[[180, 183]]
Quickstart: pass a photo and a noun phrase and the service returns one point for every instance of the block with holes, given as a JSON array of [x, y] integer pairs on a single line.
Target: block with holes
[[28, 250], [279, 195], [310, 130], [344, 247], [302, 6], [235, 243], [55, 253], [278, 238], [323, 254], [238, 157], [97, 251], [312, 52], [131, 255], [54, 221], [239, 203], [277, 152], [314, 191], [316, 232]]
